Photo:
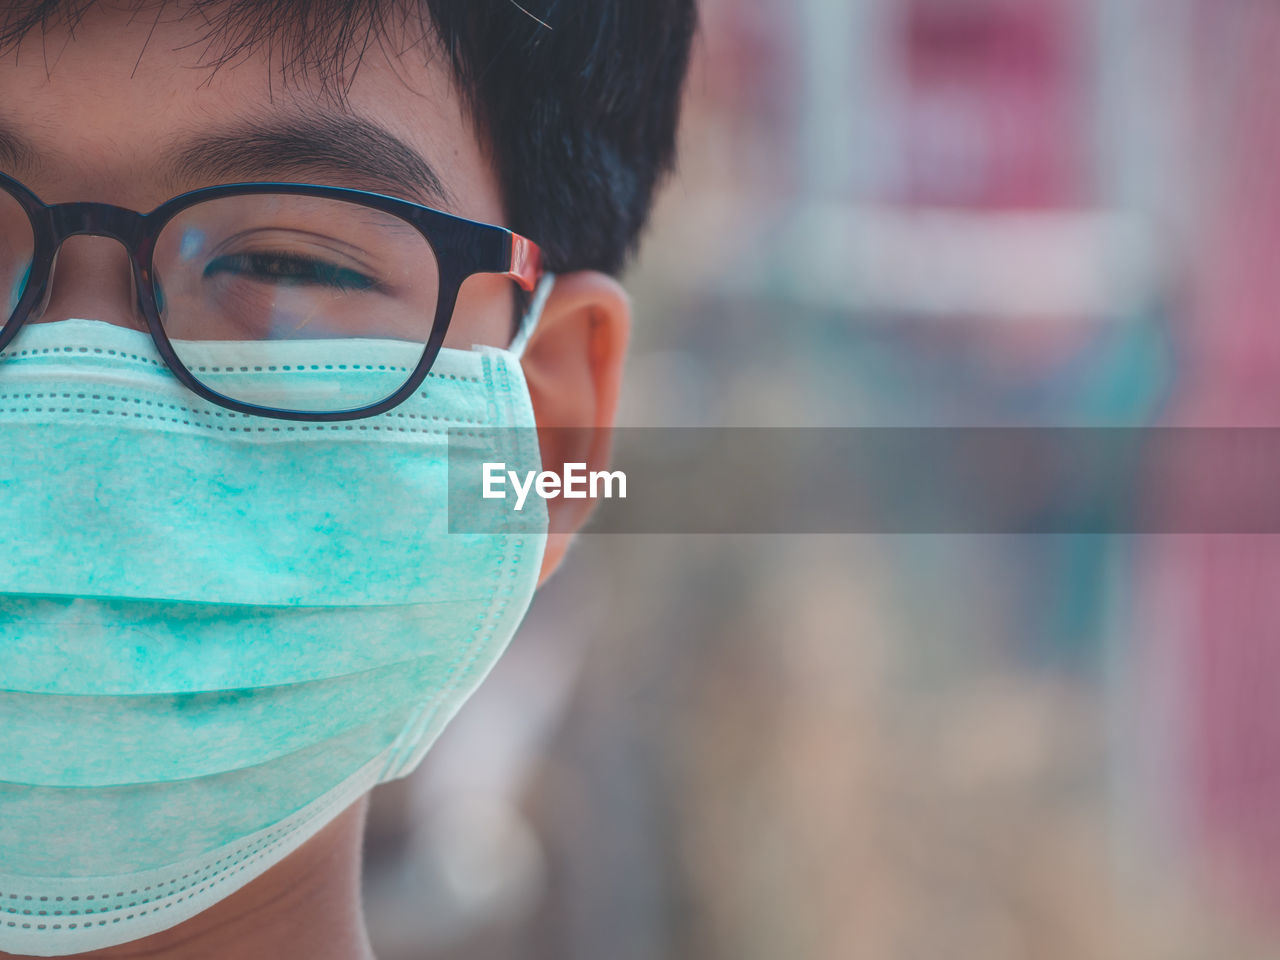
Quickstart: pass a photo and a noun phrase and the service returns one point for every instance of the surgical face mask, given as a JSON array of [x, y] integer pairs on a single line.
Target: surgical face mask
[[218, 631]]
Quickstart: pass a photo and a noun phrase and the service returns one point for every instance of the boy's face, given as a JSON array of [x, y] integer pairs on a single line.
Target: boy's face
[[101, 112], [119, 111], [104, 110]]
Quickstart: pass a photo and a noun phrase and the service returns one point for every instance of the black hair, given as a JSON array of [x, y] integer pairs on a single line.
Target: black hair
[[577, 101]]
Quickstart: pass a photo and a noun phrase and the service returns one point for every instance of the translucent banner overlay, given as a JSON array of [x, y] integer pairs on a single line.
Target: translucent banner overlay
[[877, 480]]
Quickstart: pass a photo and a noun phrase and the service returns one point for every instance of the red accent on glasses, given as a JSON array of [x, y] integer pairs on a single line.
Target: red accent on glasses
[[526, 262]]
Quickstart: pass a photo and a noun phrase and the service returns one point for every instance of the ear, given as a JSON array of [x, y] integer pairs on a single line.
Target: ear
[[573, 366]]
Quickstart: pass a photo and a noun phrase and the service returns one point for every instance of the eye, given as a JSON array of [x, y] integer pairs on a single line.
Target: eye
[[289, 270]]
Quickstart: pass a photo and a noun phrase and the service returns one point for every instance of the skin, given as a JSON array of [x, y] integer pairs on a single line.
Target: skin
[[95, 106]]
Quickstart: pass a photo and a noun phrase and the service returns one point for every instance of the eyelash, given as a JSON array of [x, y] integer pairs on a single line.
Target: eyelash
[[327, 275]]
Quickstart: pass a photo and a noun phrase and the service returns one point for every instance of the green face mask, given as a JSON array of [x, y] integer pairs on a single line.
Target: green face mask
[[218, 631]]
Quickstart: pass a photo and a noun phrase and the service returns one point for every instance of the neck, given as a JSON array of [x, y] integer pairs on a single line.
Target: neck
[[306, 906]]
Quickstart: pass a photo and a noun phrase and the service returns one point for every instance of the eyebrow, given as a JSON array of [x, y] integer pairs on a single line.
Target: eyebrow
[[16, 152], [350, 150]]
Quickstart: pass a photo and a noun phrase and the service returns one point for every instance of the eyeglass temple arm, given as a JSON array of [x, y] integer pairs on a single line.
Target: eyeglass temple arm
[[526, 263]]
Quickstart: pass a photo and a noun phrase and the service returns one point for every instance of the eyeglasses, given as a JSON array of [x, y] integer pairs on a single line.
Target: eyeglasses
[[250, 263]]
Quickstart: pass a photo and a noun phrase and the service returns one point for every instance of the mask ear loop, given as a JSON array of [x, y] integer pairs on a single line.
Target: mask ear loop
[[529, 322]]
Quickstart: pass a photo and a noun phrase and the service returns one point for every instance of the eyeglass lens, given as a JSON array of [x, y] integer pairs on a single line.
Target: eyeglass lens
[[272, 299], [17, 248]]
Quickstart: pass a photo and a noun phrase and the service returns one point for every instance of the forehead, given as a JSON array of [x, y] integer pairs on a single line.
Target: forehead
[[104, 103]]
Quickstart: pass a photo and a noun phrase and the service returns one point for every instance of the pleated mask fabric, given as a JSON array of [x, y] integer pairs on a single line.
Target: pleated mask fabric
[[216, 630]]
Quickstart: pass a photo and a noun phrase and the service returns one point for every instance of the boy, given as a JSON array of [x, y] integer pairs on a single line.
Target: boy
[[230, 607]]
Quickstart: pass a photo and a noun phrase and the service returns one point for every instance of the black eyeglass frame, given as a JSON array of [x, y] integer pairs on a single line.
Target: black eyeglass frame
[[461, 247]]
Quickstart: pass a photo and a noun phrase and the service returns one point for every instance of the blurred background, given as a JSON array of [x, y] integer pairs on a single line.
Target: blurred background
[[905, 212]]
